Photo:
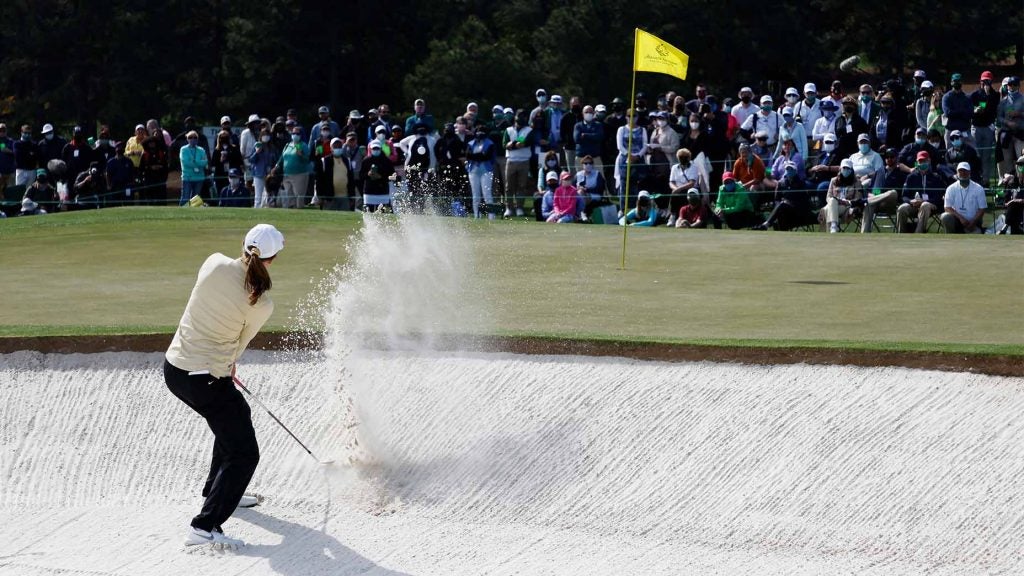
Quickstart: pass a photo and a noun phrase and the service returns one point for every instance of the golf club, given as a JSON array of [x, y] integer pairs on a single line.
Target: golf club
[[267, 410]]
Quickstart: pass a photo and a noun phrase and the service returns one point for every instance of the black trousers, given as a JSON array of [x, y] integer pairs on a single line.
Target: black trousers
[[235, 452]]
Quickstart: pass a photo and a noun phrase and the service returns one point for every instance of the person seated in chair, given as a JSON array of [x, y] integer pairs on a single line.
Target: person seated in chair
[[792, 202], [1013, 195], [922, 195], [964, 203], [544, 200], [891, 181], [844, 194]]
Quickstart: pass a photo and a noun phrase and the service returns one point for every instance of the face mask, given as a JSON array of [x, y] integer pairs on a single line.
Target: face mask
[[919, 141], [864, 148], [846, 172], [865, 98], [745, 99], [792, 98], [296, 138], [926, 94], [264, 139], [588, 167], [193, 142], [588, 117], [923, 166], [811, 98], [234, 182], [790, 173], [936, 144], [337, 152], [788, 120], [830, 114], [730, 186], [552, 162], [964, 181], [542, 99], [694, 125], [49, 136], [662, 123], [829, 147], [766, 108], [375, 152], [956, 142]]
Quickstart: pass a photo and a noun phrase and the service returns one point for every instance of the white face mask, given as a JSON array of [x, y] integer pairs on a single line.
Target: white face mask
[[694, 125], [588, 117], [830, 147], [264, 139], [662, 123]]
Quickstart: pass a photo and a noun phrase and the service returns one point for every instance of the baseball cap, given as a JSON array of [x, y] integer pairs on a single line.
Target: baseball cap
[[919, 74], [419, 102], [923, 155], [829, 138], [265, 240], [787, 111], [323, 110], [380, 129], [291, 112], [829, 105], [728, 176], [927, 84], [600, 108], [355, 114], [253, 118], [791, 91], [766, 99], [556, 99], [225, 119], [507, 110], [375, 144], [955, 133], [956, 77], [1014, 81], [846, 163], [692, 192], [789, 164], [541, 92], [863, 138], [920, 131], [496, 108], [986, 75], [810, 87], [746, 89], [963, 166], [644, 194], [565, 175], [337, 142], [235, 172], [47, 128], [551, 176]]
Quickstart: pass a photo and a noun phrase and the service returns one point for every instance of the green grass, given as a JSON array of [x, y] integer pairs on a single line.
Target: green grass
[[130, 271]]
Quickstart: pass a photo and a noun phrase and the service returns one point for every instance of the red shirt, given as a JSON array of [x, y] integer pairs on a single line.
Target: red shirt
[[691, 214]]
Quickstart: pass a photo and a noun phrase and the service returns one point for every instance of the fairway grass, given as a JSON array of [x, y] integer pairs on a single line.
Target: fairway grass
[[130, 271]]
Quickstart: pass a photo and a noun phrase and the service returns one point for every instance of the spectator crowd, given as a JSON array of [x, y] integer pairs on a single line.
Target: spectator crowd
[[916, 153]]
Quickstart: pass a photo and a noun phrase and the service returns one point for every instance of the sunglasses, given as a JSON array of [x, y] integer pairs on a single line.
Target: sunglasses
[[588, 163]]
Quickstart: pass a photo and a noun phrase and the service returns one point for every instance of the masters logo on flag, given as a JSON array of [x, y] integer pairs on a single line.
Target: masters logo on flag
[[652, 54]]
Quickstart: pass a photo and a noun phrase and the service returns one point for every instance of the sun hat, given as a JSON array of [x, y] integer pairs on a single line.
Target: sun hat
[[265, 241]]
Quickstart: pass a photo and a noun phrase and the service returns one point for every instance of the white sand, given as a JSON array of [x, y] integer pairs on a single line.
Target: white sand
[[499, 464]]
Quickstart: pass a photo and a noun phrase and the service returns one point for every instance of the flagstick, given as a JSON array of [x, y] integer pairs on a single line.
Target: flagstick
[[629, 152]]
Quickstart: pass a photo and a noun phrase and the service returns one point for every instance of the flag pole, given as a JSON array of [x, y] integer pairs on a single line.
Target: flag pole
[[629, 149]]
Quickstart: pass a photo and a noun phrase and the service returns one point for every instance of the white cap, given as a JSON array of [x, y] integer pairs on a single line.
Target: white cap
[[810, 87], [496, 108], [551, 176], [507, 110], [863, 138], [927, 84], [472, 105], [224, 119], [766, 99], [253, 118], [644, 194], [787, 110], [28, 205], [792, 91], [789, 164], [600, 108], [556, 99], [375, 144], [846, 163], [963, 166], [829, 137], [380, 129], [47, 128], [265, 239]]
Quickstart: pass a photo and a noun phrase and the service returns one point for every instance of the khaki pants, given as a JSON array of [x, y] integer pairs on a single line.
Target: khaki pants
[[832, 212], [923, 212], [884, 202], [517, 183]]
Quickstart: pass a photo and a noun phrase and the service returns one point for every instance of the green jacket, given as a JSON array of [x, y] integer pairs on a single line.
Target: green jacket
[[736, 201]]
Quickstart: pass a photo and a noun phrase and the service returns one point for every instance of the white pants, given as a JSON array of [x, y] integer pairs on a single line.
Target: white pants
[[260, 197], [481, 183], [24, 177], [293, 191]]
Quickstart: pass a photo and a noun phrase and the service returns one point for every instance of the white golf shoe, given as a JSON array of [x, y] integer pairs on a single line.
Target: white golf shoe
[[199, 537], [249, 500]]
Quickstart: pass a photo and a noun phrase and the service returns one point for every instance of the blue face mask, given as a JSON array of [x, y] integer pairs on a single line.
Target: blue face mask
[[847, 172], [791, 172], [337, 152], [830, 114], [296, 138], [864, 148], [956, 142], [730, 186], [375, 152], [919, 141]]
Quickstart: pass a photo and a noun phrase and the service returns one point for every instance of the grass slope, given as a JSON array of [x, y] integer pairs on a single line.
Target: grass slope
[[131, 270]]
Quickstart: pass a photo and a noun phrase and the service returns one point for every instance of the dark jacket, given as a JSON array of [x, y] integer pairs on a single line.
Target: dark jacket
[[374, 174], [966, 153], [987, 115], [846, 144], [958, 110], [229, 197], [323, 172], [928, 183], [26, 155], [51, 149], [908, 155]]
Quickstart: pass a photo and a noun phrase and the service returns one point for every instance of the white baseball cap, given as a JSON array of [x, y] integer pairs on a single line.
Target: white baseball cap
[[600, 108], [644, 194], [265, 240], [551, 176], [791, 91], [224, 119], [963, 166], [766, 99], [927, 84], [556, 99], [810, 87], [47, 128], [846, 163], [253, 118]]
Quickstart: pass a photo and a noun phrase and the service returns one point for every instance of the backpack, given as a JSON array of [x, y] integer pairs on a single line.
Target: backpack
[[419, 154]]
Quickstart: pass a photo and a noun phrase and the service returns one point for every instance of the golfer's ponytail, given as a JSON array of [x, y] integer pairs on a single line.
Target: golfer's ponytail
[[257, 278]]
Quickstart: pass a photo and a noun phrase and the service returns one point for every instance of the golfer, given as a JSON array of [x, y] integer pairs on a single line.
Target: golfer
[[227, 307]]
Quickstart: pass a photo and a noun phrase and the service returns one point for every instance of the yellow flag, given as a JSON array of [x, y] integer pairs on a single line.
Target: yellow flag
[[652, 54]]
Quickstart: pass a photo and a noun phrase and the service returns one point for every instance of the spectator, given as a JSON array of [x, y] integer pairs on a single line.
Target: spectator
[[792, 207], [836, 94], [848, 128], [734, 205], [826, 123], [291, 116], [567, 131], [518, 142], [791, 97], [867, 108], [964, 203], [261, 161], [182, 139], [564, 202], [935, 141], [891, 181], [104, 149], [451, 169], [910, 152], [133, 148], [588, 134], [383, 119], [542, 104], [788, 153], [887, 129], [120, 176], [294, 165], [919, 79], [761, 149], [590, 184], [90, 187], [544, 200], [550, 162], [612, 122], [844, 193], [695, 136], [1011, 123], [419, 116], [51, 147], [552, 127], [695, 213], [480, 167], [154, 168], [235, 194], [693, 106], [792, 131], [26, 158], [663, 143], [326, 123], [1013, 195], [42, 195], [748, 169], [77, 154], [645, 213], [985, 103], [960, 151], [631, 140], [333, 174], [827, 167], [923, 104], [922, 195], [225, 156], [225, 126], [376, 171], [247, 145], [357, 123], [194, 162], [765, 121], [808, 110], [958, 110], [935, 115], [7, 159], [867, 164], [684, 176], [745, 108]]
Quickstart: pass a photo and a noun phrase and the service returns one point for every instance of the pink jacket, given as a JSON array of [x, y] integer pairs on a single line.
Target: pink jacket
[[565, 200]]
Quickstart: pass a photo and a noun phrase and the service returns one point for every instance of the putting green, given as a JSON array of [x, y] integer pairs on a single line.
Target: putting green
[[130, 270]]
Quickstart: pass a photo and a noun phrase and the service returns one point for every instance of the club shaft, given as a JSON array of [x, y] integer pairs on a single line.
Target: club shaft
[[276, 419]]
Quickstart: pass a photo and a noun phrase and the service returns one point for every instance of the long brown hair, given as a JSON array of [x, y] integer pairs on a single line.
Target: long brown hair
[[257, 277]]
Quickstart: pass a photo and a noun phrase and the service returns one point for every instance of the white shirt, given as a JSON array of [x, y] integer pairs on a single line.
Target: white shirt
[[678, 176], [218, 322], [798, 135], [741, 112], [808, 113], [824, 126], [769, 123], [865, 164], [965, 201]]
